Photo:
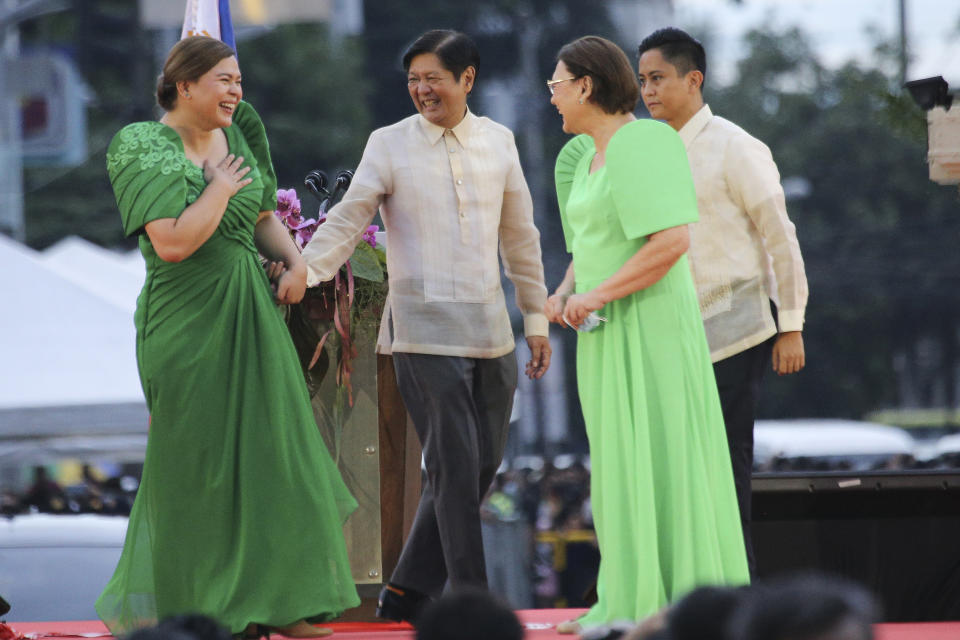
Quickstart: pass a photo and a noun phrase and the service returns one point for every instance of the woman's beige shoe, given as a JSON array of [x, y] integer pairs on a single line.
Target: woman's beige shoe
[[569, 627], [302, 629]]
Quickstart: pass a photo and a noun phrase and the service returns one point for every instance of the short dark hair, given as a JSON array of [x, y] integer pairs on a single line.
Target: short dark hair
[[704, 613], [805, 606], [468, 614], [189, 59], [615, 87], [456, 51], [189, 626], [678, 48]]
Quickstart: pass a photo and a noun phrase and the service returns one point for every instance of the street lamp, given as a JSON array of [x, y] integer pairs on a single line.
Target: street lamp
[[943, 128], [930, 92]]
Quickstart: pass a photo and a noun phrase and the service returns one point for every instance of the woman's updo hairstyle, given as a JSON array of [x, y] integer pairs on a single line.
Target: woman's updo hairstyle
[[187, 61], [615, 87]]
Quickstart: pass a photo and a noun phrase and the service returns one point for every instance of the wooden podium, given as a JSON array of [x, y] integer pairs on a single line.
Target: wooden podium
[[378, 454]]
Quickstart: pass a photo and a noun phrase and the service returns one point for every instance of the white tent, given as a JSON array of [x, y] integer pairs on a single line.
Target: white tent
[[113, 276], [68, 355]]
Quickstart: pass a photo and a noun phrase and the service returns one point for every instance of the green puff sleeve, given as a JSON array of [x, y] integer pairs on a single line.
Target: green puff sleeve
[[567, 161], [146, 166], [650, 178], [248, 121]]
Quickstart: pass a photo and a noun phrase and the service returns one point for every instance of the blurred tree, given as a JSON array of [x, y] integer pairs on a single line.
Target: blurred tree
[[312, 93], [113, 56], [877, 235]]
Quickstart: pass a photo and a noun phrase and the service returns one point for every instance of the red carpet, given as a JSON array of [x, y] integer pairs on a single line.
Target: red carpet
[[540, 625]]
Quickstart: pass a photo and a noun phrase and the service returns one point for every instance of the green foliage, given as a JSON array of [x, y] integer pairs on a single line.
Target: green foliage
[[311, 91], [78, 200], [365, 263]]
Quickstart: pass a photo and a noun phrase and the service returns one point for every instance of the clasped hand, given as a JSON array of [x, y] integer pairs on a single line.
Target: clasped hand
[[288, 285], [572, 310]]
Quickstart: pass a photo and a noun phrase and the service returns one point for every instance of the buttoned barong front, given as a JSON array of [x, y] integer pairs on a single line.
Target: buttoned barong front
[[449, 198]]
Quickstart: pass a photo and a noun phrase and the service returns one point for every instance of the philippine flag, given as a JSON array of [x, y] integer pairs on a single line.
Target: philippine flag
[[209, 18]]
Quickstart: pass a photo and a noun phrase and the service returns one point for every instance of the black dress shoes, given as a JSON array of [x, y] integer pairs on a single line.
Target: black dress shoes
[[401, 604]]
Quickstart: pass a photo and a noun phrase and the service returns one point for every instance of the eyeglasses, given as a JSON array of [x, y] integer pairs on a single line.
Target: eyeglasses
[[552, 83]]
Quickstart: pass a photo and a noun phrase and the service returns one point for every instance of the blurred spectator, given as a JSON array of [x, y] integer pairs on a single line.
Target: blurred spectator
[[469, 614], [45, 495], [9, 503], [501, 500], [703, 614], [183, 627], [807, 606], [610, 632], [199, 626]]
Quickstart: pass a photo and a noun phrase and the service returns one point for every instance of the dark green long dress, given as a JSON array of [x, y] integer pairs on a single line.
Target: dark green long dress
[[662, 493], [240, 508]]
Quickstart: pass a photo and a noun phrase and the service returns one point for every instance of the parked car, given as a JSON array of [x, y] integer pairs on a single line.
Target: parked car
[[827, 444]]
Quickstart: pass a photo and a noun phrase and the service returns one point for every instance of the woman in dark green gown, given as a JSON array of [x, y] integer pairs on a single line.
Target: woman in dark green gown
[[240, 508]]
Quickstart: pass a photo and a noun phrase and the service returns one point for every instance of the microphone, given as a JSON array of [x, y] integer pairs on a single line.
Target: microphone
[[316, 183], [340, 187]]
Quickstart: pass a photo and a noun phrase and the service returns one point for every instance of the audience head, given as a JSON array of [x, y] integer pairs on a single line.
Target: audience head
[[199, 626], [807, 606], [468, 614], [191, 626], [704, 613]]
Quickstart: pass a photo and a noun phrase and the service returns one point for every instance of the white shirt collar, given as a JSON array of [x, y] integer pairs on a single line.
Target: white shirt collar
[[461, 132], [695, 125]]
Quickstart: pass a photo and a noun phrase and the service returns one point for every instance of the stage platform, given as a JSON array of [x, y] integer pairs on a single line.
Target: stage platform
[[540, 624]]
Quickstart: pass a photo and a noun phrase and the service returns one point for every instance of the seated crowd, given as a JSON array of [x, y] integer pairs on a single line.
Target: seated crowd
[[806, 606]]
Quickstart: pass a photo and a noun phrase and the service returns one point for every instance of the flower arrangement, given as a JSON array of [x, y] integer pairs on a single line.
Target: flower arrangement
[[339, 312]]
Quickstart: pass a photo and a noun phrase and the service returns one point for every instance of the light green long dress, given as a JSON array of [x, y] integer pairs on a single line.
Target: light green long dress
[[240, 508], [662, 489]]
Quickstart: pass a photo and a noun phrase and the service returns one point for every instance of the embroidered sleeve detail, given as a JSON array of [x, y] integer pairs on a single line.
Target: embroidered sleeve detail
[[146, 143]]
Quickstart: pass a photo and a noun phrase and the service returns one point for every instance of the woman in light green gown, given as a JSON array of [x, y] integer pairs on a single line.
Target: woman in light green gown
[[240, 508], [662, 489]]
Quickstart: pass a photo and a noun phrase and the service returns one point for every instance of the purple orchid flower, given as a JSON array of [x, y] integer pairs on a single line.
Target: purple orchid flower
[[304, 231], [287, 203], [369, 236]]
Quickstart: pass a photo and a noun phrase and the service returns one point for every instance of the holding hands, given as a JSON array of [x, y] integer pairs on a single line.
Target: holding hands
[[554, 307], [572, 309], [289, 285], [579, 306]]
